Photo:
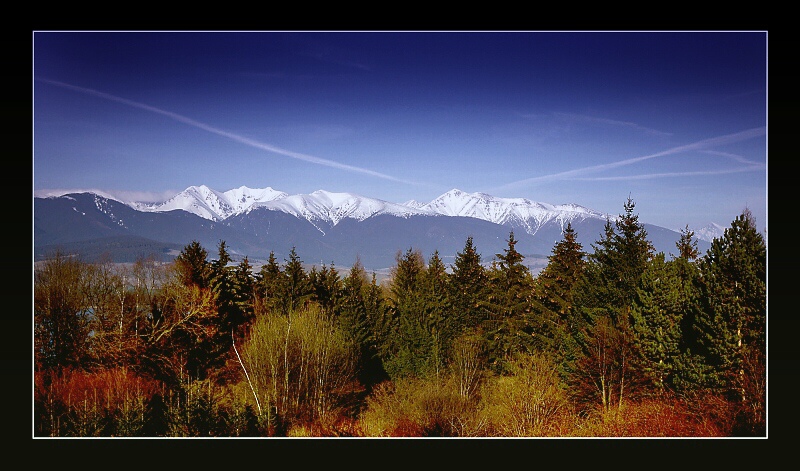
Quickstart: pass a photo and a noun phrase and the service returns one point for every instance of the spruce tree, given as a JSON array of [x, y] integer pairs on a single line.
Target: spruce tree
[[690, 370], [468, 288], [509, 302], [436, 320], [732, 323], [298, 288], [380, 323], [656, 316], [554, 320], [408, 338], [603, 296], [244, 292], [325, 286], [352, 311], [228, 299], [223, 285], [193, 265], [271, 284]]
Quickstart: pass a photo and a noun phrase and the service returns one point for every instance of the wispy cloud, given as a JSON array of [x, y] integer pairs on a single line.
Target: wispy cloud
[[650, 176], [611, 122], [735, 157], [577, 174], [226, 134]]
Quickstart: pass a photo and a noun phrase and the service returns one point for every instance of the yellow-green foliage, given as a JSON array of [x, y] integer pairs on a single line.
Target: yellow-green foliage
[[421, 407], [530, 401], [299, 364]]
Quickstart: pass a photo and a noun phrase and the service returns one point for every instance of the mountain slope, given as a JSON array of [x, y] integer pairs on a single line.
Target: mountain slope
[[324, 227]]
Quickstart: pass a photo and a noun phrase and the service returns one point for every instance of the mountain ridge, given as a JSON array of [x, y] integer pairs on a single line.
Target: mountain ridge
[[334, 206], [328, 226], [519, 212]]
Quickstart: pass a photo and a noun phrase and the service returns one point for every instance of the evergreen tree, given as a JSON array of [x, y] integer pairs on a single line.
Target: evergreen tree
[[509, 301], [554, 320], [379, 321], [352, 310], [326, 287], [227, 296], [409, 341], [656, 315], [272, 284], [353, 320], [690, 370], [438, 323], [603, 296], [468, 288], [194, 266], [298, 289], [732, 323], [244, 293], [223, 285], [687, 245]]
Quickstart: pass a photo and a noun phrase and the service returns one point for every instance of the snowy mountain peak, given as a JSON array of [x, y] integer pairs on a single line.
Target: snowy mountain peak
[[325, 208], [243, 198], [519, 212], [211, 204], [200, 200], [709, 232], [414, 204]]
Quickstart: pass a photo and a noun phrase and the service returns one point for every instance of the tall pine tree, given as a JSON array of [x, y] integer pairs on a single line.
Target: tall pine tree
[[468, 287], [553, 317], [656, 316], [436, 319], [690, 370], [732, 323], [193, 265], [298, 290], [508, 330], [603, 296], [409, 339], [271, 285]]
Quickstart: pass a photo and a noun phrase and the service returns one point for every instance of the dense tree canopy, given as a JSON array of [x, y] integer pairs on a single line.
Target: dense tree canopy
[[215, 348]]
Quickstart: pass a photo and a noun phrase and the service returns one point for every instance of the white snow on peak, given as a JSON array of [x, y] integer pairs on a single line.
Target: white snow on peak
[[414, 204], [212, 204], [243, 197], [200, 200], [331, 208], [325, 208], [518, 211], [709, 232]]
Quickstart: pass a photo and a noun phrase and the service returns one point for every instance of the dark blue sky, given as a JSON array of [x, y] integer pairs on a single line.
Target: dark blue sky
[[676, 120]]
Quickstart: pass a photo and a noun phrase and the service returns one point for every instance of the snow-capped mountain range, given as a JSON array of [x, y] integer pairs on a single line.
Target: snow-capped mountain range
[[325, 226], [324, 208]]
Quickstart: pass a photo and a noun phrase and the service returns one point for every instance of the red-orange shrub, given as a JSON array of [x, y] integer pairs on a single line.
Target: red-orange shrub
[[76, 402]]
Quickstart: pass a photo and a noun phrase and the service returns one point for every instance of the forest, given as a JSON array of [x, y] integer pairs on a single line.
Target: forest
[[616, 341]]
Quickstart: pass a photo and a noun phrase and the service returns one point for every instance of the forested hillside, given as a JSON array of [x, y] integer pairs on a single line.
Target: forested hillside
[[617, 341]]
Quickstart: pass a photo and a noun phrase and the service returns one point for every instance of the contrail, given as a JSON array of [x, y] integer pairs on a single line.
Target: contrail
[[649, 176], [226, 134], [699, 145]]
